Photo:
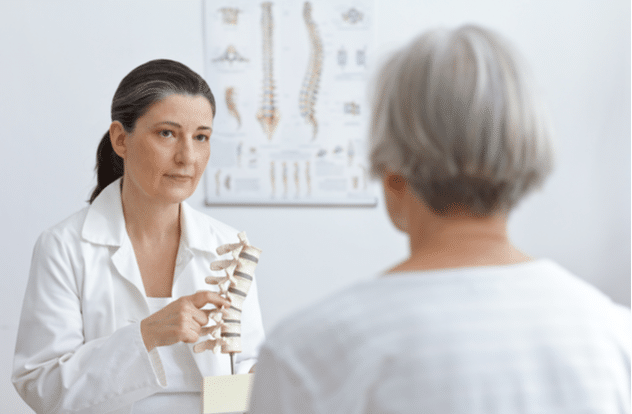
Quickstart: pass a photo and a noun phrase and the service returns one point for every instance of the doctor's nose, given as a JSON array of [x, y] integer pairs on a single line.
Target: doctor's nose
[[185, 153]]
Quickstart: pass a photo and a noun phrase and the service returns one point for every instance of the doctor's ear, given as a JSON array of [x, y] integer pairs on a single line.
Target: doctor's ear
[[118, 138]]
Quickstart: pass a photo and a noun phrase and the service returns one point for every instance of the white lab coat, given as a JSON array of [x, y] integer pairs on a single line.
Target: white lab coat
[[79, 347]]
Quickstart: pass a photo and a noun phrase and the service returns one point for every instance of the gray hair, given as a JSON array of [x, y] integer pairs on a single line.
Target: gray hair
[[455, 115]]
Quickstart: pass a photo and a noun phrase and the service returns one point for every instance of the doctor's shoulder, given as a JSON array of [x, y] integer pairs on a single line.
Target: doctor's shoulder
[[67, 231], [57, 252]]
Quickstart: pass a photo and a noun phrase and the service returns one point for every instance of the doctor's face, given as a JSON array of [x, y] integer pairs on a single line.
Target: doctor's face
[[166, 153]]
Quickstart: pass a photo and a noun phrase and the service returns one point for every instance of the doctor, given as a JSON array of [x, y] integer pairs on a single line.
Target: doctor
[[116, 296]]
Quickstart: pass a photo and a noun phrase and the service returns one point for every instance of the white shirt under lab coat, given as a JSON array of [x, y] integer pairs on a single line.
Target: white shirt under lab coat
[[79, 346]]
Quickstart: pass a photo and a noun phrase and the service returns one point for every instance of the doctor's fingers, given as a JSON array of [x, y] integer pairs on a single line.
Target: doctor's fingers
[[199, 316], [208, 312], [203, 297], [189, 333], [184, 312]]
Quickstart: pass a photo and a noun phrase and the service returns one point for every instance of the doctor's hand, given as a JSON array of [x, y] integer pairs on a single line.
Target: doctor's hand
[[182, 320]]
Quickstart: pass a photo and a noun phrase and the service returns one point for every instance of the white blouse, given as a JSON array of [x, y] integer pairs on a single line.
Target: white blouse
[[184, 382]]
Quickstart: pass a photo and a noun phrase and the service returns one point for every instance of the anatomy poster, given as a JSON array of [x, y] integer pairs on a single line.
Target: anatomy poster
[[290, 83]]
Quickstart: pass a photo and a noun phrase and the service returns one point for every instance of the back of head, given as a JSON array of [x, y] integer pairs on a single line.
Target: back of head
[[456, 116], [137, 92]]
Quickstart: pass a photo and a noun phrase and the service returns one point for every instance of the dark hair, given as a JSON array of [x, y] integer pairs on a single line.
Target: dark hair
[[137, 92]]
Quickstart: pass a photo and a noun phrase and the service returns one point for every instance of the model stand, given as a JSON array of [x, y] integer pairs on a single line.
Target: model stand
[[226, 394]]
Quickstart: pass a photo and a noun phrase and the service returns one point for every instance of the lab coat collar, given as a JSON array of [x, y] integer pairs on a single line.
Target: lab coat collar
[[105, 223], [196, 230]]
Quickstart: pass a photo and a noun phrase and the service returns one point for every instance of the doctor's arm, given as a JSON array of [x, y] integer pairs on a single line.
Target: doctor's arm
[[55, 370]]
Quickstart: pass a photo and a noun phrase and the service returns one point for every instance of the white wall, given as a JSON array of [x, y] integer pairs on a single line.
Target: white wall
[[61, 61]]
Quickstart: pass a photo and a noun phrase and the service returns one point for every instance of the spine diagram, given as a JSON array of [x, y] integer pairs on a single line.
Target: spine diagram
[[268, 115], [232, 106], [230, 55], [229, 15], [342, 57], [226, 333], [285, 182], [297, 179], [218, 175], [352, 108], [273, 177], [308, 178], [353, 16], [309, 89], [361, 57]]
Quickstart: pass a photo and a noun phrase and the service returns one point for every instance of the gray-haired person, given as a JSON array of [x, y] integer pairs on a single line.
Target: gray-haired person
[[468, 323]]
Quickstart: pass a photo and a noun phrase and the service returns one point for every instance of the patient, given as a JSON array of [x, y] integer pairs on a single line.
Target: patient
[[468, 323]]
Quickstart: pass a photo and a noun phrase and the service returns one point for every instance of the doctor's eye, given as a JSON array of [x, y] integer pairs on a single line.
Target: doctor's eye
[[202, 137], [166, 133]]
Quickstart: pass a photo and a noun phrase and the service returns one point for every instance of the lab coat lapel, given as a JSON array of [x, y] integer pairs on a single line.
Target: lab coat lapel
[[197, 234], [124, 260], [191, 240], [105, 225]]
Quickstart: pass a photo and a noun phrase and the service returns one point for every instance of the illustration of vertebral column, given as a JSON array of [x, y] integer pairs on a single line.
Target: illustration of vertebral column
[[234, 286], [231, 105], [309, 89], [268, 115]]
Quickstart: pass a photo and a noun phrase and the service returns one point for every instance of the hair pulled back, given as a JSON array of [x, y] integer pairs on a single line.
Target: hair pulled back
[[137, 92]]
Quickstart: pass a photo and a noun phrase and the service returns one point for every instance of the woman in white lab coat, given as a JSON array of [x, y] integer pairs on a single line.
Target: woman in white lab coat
[[116, 296]]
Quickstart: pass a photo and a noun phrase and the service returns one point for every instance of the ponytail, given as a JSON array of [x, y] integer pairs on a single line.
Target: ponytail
[[109, 166]]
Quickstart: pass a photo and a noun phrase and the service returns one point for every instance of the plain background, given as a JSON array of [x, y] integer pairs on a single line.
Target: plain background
[[61, 61]]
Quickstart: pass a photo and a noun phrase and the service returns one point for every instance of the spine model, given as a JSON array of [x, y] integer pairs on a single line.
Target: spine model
[[234, 286], [268, 115], [309, 89]]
